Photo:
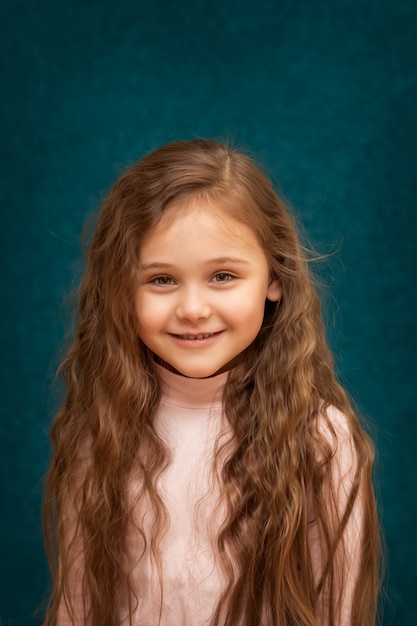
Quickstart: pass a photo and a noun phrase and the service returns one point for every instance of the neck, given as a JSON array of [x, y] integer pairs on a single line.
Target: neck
[[192, 392]]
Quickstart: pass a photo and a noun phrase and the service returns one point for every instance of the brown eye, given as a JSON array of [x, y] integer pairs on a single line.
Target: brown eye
[[163, 281], [223, 277]]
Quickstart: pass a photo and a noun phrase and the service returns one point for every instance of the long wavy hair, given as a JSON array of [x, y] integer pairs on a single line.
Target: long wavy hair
[[274, 401]]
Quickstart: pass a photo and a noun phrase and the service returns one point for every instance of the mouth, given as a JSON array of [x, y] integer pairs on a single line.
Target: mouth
[[200, 336]]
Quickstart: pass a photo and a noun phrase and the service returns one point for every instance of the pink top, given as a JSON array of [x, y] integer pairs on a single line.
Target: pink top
[[190, 422]]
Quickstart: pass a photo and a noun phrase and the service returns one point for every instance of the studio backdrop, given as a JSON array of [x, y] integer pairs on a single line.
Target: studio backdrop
[[322, 93]]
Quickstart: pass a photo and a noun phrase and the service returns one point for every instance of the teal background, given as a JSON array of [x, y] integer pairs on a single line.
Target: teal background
[[324, 92]]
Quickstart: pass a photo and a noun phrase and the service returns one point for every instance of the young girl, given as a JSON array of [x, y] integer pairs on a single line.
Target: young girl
[[208, 468]]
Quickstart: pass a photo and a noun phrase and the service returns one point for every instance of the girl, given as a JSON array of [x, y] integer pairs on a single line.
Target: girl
[[208, 468]]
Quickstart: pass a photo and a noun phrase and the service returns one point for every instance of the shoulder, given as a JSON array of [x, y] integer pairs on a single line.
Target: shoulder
[[81, 462], [335, 440]]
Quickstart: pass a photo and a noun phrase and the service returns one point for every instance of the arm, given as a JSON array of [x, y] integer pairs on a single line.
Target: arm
[[73, 603], [343, 543], [72, 608]]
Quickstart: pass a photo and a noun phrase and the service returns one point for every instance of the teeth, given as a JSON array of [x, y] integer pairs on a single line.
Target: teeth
[[196, 336]]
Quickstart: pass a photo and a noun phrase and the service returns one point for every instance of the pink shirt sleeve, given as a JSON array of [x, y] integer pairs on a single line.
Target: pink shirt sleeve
[[76, 597], [343, 467]]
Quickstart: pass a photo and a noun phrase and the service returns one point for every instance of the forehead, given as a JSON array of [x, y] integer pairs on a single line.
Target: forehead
[[200, 221]]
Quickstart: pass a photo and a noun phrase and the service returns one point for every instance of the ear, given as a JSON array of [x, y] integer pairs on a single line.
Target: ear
[[274, 291]]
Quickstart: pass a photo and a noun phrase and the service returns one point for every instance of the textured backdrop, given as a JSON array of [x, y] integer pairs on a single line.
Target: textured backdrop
[[322, 91]]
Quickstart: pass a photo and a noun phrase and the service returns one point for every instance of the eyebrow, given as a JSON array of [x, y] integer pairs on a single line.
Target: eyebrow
[[216, 261]]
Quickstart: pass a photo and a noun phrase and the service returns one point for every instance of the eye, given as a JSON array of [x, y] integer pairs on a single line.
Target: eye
[[163, 281], [222, 277]]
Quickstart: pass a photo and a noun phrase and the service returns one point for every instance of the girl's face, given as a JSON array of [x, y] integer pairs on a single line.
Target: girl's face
[[204, 282]]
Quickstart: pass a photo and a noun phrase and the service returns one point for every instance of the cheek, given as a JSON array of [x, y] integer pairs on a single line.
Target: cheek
[[250, 314], [145, 319], [250, 306], [152, 314]]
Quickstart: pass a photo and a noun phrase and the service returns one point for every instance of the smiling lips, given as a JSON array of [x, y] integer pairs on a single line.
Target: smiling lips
[[197, 337]]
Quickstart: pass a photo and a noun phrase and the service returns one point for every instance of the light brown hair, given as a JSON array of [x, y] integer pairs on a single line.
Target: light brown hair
[[276, 401]]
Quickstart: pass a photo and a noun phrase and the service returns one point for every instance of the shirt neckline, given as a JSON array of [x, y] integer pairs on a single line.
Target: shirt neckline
[[193, 393]]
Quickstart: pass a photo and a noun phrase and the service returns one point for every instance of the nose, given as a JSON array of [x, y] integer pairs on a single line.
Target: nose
[[193, 305]]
